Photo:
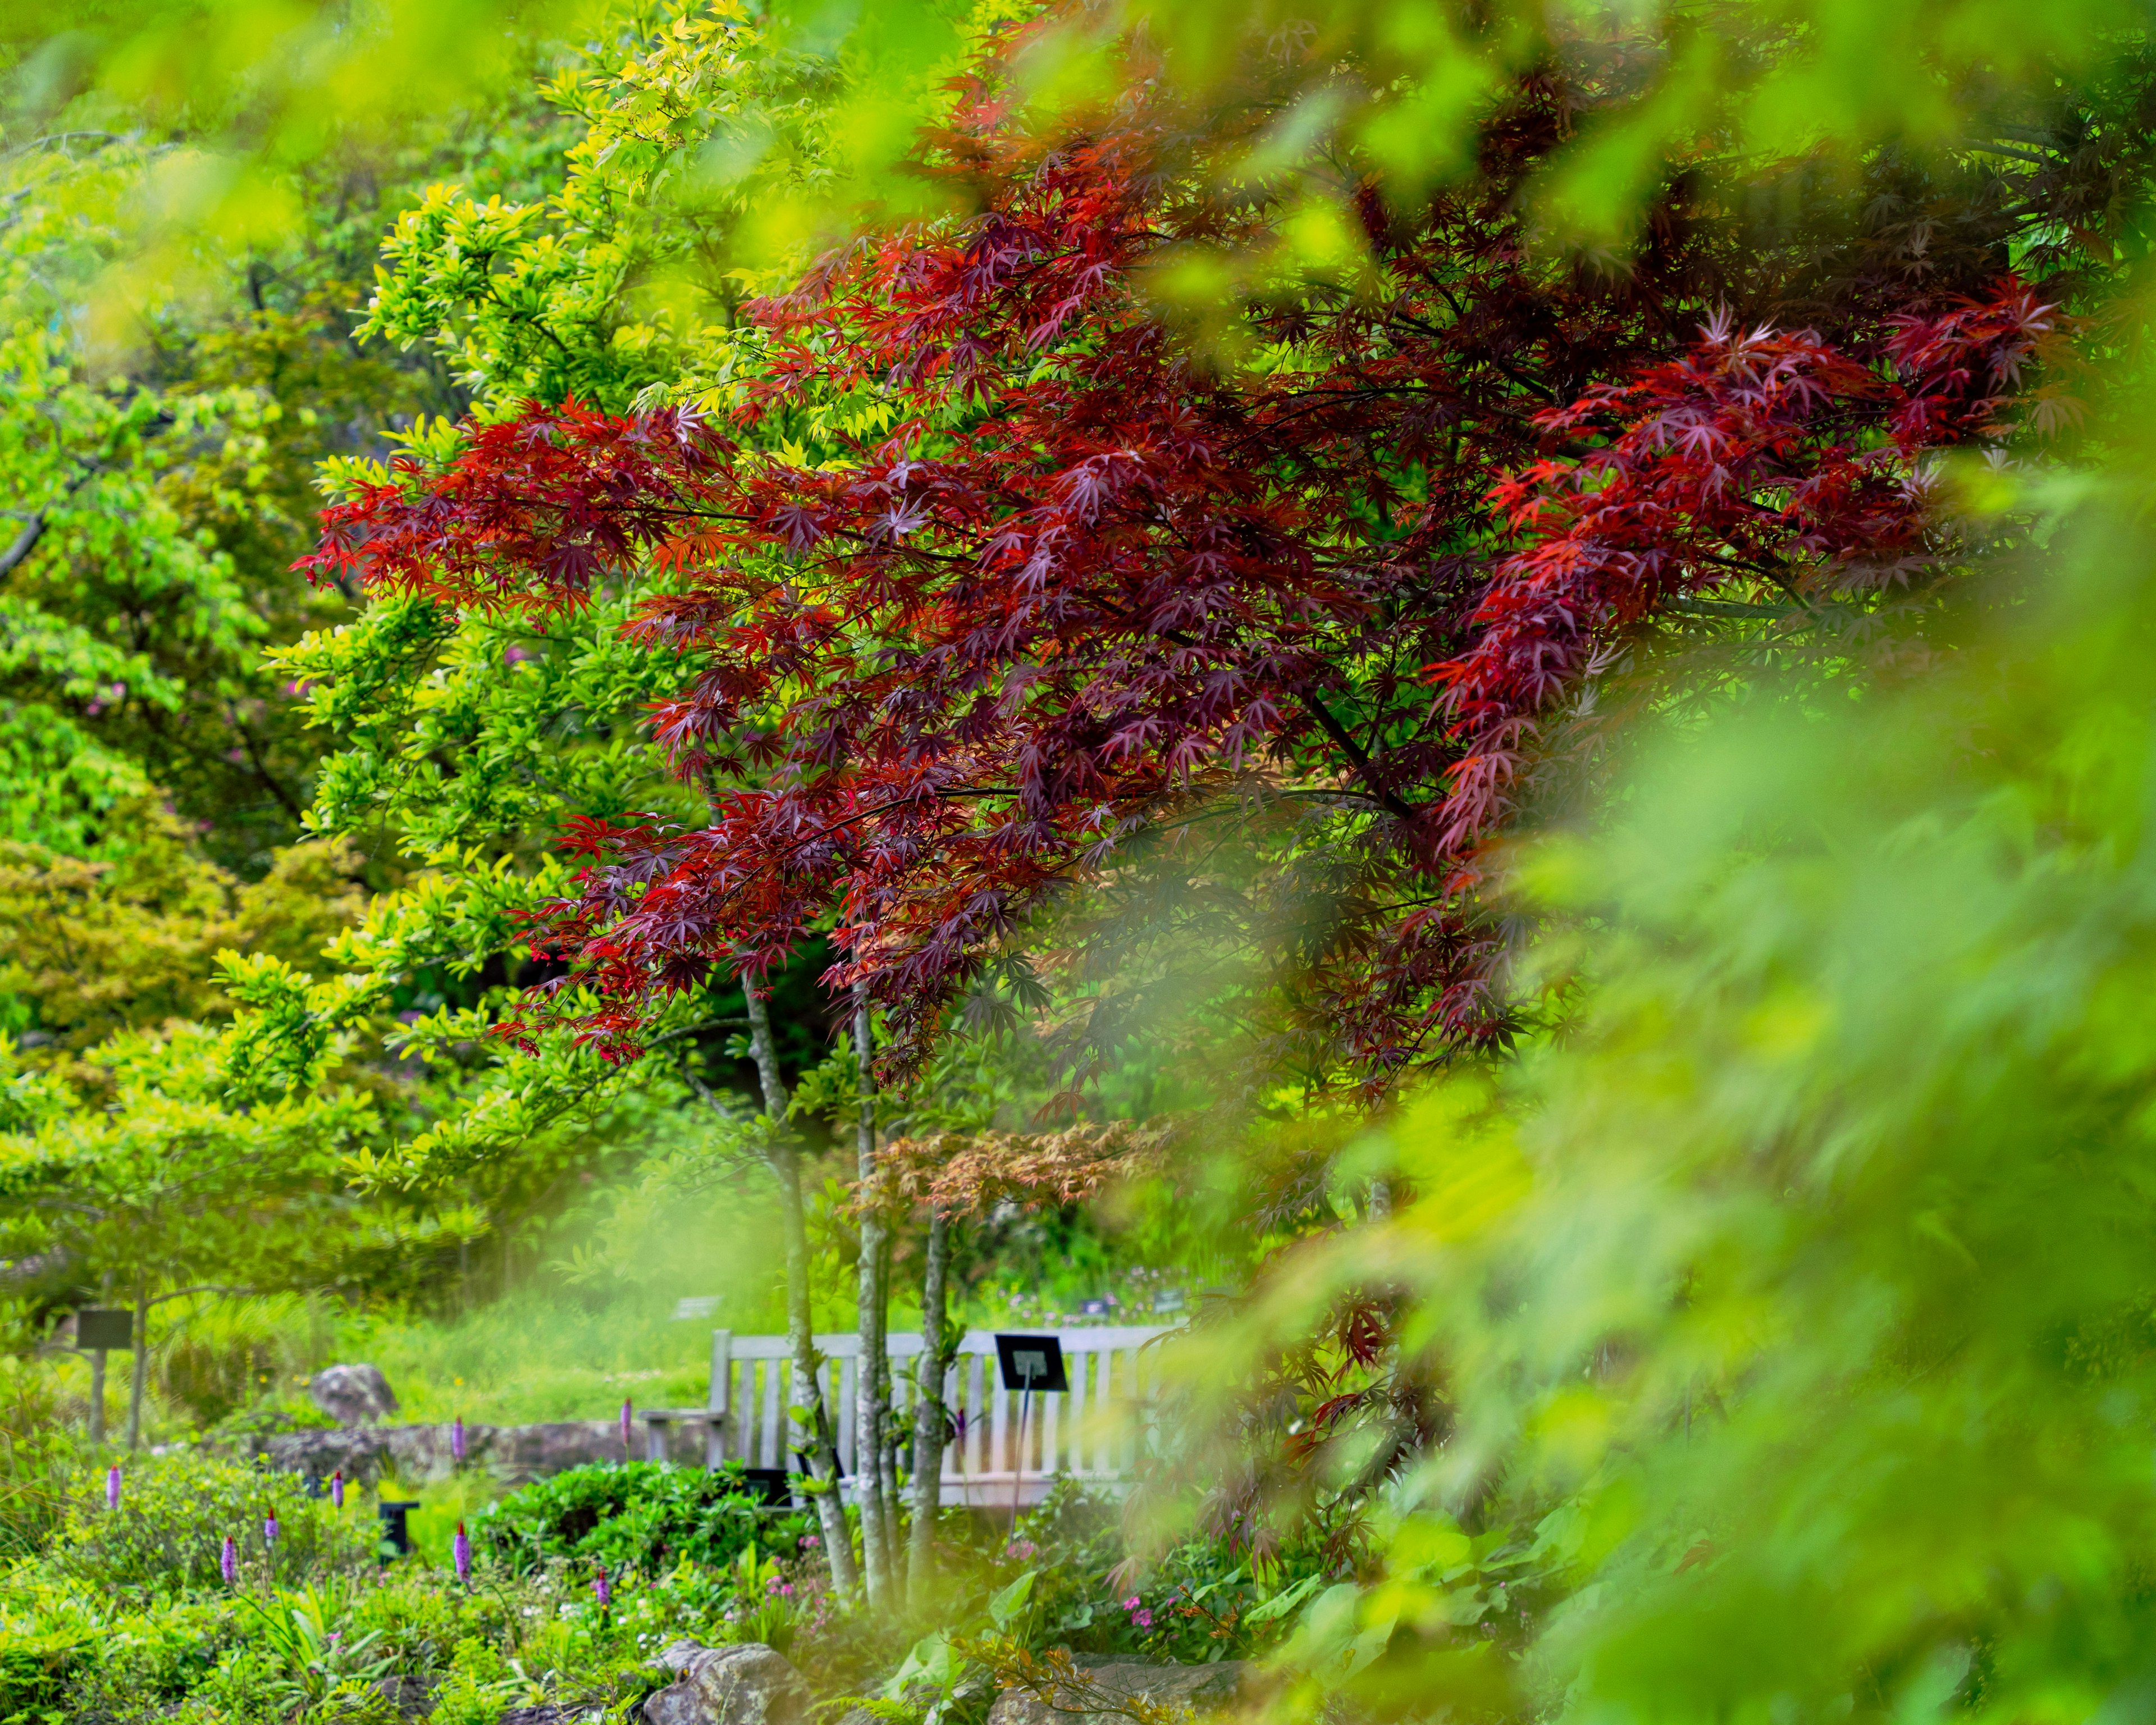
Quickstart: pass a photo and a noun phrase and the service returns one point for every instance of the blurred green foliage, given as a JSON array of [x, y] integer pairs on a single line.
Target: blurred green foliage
[[1790, 1311]]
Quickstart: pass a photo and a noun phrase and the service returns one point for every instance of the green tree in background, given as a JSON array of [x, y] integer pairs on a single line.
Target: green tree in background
[[177, 362], [96, 948]]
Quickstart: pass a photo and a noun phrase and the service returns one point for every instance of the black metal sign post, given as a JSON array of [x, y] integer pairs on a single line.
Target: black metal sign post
[[1028, 1364], [395, 1532], [96, 1330]]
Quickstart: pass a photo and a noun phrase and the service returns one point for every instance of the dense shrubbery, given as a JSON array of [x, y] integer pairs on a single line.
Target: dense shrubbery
[[175, 1514], [644, 1514], [123, 1616]]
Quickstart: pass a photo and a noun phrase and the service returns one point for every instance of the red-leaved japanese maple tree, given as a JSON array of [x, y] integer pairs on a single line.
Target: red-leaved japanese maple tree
[[1105, 607]]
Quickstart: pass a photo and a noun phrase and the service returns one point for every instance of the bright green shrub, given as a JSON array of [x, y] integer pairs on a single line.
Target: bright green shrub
[[478, 1685], [35, 1668], [642, 1514], [72, 1651], [38, 1455], [176, 1512]]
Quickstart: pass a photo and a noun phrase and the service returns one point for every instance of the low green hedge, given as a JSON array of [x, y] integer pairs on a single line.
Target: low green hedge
[[176, 1512], [640, 1514]]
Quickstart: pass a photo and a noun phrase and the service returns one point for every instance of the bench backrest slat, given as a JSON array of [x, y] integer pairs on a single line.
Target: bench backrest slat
[[1094, 1432]]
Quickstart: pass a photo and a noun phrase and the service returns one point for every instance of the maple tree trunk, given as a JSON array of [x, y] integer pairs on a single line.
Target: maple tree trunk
[[928, 1416], [871, 1382], [800, 1327], [138, 1376]]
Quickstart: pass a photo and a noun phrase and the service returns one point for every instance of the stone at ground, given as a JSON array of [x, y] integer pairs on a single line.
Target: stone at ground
[[513, 1454], [747, 1684], [413, 1697], [352, 1395], [1200, 1688]]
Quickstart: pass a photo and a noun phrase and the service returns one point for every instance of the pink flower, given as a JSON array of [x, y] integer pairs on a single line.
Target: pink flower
[[112, 1488], [601, 1589], [336, 1489], [1132, 1603], [457, 1440], [809, 1541], [460, 1553], [626, 1416], [228, 1563], [1143, 1620], [269, 1528]]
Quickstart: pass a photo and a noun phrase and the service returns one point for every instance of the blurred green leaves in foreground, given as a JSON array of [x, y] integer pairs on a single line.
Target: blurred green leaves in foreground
[[1791, 1313], [255, 88]]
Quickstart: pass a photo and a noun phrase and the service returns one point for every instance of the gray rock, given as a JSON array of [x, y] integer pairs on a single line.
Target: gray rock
[[352, 1395], [358, 1451], [513, 1454], [747, 1684], [1192, 1688], [413, 1697]]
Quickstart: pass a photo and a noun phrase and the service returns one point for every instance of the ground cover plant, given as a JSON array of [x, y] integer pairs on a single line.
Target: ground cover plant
[[569, 1590]]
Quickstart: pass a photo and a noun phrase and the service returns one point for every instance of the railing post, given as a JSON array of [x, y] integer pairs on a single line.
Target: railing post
[[719, 1402]]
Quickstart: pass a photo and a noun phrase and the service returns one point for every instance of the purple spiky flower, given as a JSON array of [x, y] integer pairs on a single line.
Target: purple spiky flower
[[336, 1489], [112, 1487], [457, 1441], [460, 1553], [228, 1563], [269, 1528], [628, 1414], [601, 1589]]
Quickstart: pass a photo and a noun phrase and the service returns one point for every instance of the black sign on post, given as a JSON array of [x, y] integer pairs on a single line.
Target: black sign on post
[[98, 1330], [101, 1328], [1032, 1362], [396, 1533], [1029, 1363]]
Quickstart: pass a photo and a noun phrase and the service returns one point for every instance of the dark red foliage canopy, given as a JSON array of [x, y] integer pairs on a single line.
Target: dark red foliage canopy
[[1098, 609]]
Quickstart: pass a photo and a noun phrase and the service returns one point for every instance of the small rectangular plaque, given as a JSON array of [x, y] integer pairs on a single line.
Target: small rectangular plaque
[[104, 1327], [1034, 1362]]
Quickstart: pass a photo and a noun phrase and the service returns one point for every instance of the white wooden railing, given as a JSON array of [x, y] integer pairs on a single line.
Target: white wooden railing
[[1093, 1432]]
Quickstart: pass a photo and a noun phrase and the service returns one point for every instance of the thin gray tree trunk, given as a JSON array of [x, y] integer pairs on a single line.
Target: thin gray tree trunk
[[871, 1382], [97, 1397], [893, 1437], [785, 1159], [139, 1378], [928, 1415]]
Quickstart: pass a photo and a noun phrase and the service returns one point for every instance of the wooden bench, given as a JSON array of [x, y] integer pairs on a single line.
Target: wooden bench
[[1093, 1433]]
